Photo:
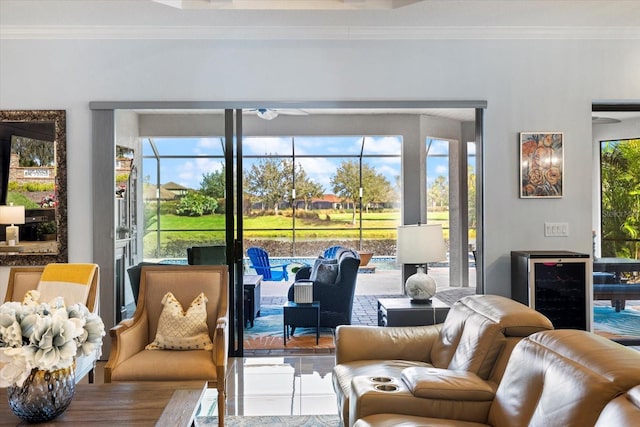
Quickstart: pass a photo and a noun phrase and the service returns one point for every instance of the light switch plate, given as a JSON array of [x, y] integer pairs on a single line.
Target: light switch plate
[[556, 229]]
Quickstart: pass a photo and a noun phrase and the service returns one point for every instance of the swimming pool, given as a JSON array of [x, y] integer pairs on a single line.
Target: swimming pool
[[380, 262]]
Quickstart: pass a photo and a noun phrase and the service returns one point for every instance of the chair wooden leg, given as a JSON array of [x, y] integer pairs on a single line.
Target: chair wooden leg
[[222, 398], [91, 375]]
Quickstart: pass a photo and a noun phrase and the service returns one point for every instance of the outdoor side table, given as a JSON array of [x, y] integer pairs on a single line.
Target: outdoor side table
[[301, 315], [252, 284]]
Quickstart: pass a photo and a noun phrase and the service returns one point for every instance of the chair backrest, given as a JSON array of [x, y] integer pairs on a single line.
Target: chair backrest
[[22, 280], [476, 333], [76, 282], [331, 251], [207, 255], [260, 261], [185, 282], [563, 378]]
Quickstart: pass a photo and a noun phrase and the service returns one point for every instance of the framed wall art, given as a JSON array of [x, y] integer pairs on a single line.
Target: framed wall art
[[541, 164]]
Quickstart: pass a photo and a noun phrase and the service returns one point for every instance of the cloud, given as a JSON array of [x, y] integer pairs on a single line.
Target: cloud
[[267, 145], [190, 172], [442, 170], [209, 144]]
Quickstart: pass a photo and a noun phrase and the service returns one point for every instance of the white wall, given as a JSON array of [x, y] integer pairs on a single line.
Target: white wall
[[530, 85]]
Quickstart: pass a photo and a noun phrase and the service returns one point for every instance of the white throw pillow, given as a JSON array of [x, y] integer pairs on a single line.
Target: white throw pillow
[[180, 330]]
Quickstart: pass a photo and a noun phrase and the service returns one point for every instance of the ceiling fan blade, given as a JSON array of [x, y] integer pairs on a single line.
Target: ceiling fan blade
[[291, 112], [272, 113]]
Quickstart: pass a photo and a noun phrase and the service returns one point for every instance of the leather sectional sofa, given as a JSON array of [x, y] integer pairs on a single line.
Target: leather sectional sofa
[[563, 378], [494, 362], [477, 336]]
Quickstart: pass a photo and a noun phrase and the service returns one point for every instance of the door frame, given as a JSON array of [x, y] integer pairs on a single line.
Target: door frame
[[103, 151]]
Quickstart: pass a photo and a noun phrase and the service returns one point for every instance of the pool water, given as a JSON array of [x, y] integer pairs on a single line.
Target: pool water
[[380, 262]]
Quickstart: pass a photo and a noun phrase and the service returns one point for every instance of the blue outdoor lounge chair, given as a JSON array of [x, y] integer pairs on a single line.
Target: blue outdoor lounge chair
[[260, 262]]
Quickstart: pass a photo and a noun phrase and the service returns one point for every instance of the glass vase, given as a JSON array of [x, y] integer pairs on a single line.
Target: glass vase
[[44, 394]]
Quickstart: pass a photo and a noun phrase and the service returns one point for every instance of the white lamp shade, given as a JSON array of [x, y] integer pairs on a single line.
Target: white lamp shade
[[11, 214], [420, 244]]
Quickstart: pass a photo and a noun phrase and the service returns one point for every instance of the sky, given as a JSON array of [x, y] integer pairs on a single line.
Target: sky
[[208, 154]]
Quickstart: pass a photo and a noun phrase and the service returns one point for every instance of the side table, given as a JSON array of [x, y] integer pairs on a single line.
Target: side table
[[301, 315], [402, 312], [252, 284]]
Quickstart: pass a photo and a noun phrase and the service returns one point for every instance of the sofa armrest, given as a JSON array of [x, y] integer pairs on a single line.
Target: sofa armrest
[[445, 384], [454, 396], [379, 343]]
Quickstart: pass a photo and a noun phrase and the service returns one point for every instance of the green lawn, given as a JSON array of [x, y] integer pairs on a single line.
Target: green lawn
[[331, 225]]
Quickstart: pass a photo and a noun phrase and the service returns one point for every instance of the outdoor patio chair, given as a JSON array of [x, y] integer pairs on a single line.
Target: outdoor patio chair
[[334, 285], [207, 255], [260, 262]]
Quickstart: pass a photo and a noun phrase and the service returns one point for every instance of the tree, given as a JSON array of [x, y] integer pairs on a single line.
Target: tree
[[438, 192], [269, 181], [213, 184], [306, 188], [471, 197], [196, 204], [32, 152], [620, 181], [346, 184]]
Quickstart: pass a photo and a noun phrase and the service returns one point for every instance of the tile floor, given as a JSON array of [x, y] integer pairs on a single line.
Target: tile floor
[[286, 385]]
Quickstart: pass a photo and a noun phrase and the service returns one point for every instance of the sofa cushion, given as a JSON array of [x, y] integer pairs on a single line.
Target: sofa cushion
[[474, 333], [180, 330], [167, 365], [623, 411]]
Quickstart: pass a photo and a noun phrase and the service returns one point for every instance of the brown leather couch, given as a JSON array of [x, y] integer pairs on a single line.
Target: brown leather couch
[[477, 336], [565, 378]]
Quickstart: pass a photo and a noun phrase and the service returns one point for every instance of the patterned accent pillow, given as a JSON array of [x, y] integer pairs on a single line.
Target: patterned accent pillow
[[325, 271], [180, 330]]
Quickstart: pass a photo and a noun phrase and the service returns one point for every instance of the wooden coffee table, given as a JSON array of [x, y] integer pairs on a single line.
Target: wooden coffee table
[[132, 404]]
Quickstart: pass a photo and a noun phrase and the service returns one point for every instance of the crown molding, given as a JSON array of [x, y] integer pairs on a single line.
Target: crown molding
[[140, 32], [287, 4]]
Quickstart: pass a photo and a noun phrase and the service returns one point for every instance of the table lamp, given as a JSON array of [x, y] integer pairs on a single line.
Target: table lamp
[[12, 215], [420, 244]]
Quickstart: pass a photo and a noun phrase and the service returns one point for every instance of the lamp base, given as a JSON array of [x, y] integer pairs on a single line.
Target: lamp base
[[420, 287], [12, 234]]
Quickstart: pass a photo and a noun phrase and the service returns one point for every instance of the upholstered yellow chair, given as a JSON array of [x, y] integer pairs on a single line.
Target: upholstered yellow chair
[[76, 282], [132, 360]]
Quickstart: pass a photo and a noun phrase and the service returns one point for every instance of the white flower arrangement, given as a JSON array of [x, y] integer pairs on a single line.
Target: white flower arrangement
[[45, 336]]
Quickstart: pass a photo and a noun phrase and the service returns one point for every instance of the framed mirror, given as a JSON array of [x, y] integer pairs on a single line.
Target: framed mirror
[[33, 187]]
